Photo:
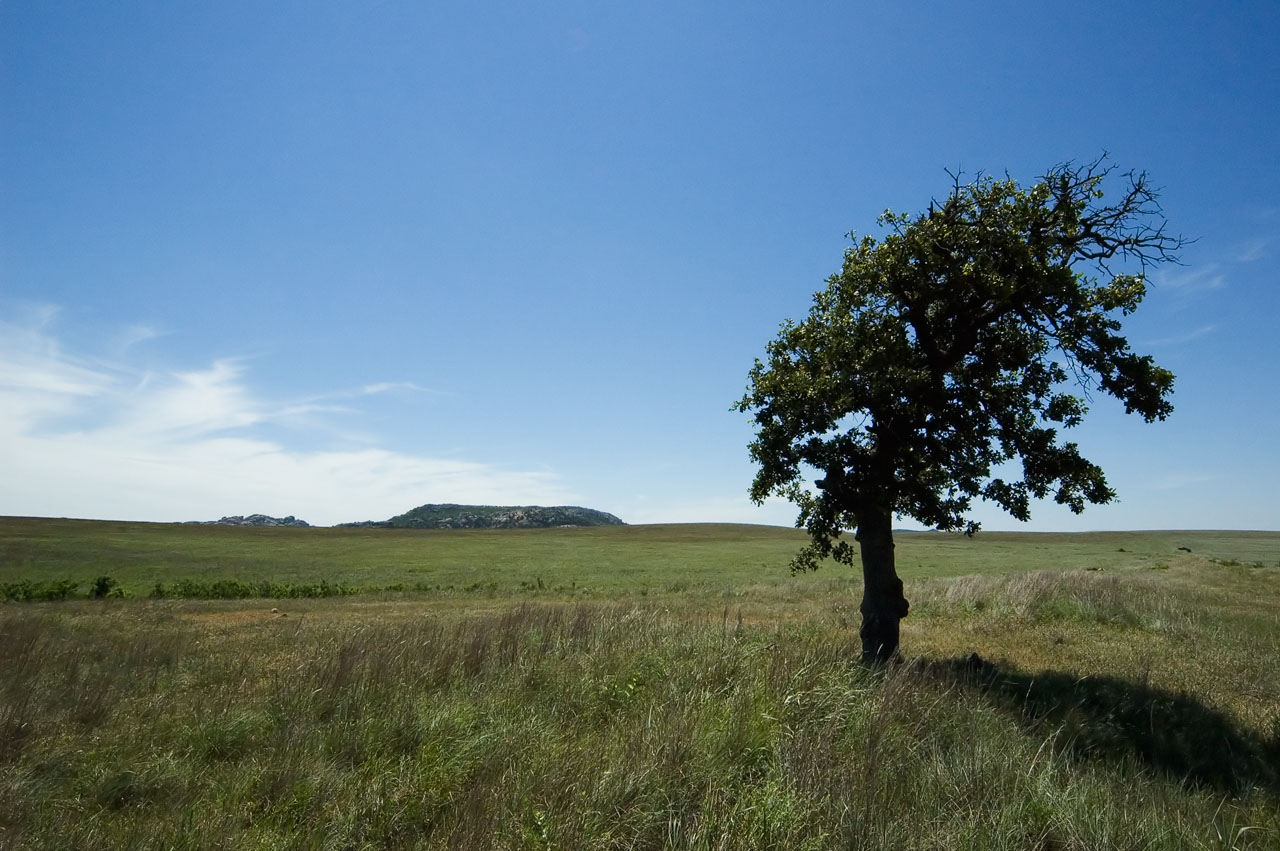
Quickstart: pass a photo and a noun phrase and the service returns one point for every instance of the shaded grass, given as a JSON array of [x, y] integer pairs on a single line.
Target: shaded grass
[[1107, 717]]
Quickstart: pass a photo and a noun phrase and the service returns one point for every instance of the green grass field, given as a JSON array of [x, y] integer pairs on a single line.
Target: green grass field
[[638, 687], [605, 560]]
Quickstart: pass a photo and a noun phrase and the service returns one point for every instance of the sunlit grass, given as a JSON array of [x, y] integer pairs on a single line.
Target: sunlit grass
[[1064, 708], [603, 560]]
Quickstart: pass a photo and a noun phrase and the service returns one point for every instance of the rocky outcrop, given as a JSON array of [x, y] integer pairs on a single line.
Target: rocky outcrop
[[451, 516], [252, 520]]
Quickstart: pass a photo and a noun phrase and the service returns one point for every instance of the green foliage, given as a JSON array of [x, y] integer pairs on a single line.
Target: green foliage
[[964, 340], [25, 591], [234, 589]]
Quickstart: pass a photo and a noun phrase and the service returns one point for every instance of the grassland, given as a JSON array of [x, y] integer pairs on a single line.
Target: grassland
[[602, 560], [638, 687]]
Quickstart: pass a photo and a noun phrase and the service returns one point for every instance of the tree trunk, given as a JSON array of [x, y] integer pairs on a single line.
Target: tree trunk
[[883, 604]]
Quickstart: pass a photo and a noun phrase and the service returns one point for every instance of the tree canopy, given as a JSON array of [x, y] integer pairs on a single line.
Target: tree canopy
[[966, 339]]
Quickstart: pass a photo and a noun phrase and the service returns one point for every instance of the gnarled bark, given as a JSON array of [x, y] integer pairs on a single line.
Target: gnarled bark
[[883, 603]]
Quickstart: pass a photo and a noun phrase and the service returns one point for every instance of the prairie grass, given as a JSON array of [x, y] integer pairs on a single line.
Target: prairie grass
[[1069, 708], [599, 562]]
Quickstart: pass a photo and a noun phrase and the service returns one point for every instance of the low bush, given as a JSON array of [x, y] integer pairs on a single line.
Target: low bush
[[235, 589], [25, 591]]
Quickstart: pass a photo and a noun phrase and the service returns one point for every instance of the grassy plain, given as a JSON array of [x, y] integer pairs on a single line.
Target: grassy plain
[[608, 560], [639, 687]]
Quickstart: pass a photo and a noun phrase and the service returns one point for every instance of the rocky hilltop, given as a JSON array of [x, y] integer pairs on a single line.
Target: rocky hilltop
[[252, 520], [451, 516]]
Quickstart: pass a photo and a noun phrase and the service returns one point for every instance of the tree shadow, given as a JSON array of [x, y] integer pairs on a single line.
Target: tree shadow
[[1109, 718]]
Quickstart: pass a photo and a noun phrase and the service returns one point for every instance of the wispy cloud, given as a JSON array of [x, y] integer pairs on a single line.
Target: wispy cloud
[[1179, 339], [392, 387], [1254, 249], [78, 438], [1207, 277], [134, 335]]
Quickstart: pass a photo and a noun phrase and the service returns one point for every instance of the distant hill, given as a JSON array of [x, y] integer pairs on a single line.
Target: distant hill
[[451, 516], [252, 520]]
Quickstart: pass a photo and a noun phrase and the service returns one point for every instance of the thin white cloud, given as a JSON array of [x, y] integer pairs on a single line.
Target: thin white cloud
[[392, 387], [37, 379], [1207, 277], [1253, 250], [193, 403], [134, 335], [306, 409], [83, 440], [1179, 339]]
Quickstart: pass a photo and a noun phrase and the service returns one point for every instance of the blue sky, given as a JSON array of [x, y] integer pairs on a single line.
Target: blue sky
[[340, 259]]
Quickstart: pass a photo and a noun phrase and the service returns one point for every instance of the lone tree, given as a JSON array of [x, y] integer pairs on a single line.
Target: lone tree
[[961, 341]]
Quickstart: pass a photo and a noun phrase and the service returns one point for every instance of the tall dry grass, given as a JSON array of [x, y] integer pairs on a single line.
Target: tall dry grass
[[631, 724]]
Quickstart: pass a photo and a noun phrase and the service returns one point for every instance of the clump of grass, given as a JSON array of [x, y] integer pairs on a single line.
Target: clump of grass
[[1231, 562], [1051, 598]]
